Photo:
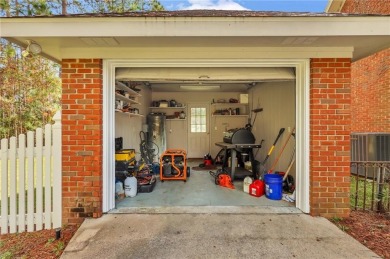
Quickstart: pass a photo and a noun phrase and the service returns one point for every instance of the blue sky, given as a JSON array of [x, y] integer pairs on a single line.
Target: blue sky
[[254, 5]]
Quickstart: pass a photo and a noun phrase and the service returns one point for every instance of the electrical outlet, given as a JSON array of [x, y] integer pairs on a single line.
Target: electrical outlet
[[215, 128], [289, 129]]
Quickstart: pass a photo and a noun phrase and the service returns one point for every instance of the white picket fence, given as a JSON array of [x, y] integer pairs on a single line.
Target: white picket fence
[[30, 180]]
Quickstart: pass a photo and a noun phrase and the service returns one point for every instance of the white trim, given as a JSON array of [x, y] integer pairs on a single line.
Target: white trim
[[108, 135], [302, 119]]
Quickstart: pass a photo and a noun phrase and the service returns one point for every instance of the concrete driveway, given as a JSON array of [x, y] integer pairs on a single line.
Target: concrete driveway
[[216, 235]]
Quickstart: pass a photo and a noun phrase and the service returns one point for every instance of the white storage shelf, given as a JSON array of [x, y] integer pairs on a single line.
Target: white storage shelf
[[222, 106], [128, 113], [171, 108], [120, 86]]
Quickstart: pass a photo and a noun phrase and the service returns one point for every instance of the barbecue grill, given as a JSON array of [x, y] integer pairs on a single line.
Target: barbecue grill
[[239, 136]]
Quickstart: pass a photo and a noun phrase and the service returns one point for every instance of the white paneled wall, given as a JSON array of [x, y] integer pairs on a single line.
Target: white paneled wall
[[278, 102]]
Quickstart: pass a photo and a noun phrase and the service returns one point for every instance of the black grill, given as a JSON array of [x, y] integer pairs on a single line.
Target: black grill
[[239, 136]]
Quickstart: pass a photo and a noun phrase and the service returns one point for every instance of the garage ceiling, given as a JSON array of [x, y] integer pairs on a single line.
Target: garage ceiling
[[223, 79]]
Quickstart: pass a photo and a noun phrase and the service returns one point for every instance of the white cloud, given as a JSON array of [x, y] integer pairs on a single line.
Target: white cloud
[[214, 5]]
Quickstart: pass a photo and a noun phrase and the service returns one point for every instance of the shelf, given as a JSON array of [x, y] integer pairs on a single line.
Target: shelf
[[123, 98], [229, 104], [176, 119], [129, 113], [122, 86], [218, 115], [168, 107]]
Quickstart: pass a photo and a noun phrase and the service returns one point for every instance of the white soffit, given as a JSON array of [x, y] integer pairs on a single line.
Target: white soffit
[[100, 41], [203, 74]]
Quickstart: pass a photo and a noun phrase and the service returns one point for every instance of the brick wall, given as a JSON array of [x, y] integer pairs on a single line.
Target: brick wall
[[371, 93], [370, 78], [82, 101], [366, 6], [330, 120]]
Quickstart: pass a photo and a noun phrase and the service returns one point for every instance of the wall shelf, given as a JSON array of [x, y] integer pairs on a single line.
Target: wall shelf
[[128, 113], [125, 99], [229, 104], [183, 107], [220, 115], [121, 86], [222, 109]]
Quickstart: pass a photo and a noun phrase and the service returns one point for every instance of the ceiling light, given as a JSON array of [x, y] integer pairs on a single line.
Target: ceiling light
[[200, 87], [32, 49]]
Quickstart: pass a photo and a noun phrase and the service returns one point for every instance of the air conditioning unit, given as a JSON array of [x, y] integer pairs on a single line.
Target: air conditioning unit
[[369, 147]]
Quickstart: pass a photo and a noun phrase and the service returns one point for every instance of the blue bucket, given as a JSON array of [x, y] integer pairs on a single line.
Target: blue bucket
[[273, 186]]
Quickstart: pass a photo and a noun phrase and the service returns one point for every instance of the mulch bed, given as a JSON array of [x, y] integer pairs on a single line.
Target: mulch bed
[[370, 229], [39, 244]]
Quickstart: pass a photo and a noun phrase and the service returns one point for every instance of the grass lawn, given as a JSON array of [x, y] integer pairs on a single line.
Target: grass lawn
[[370, 198]]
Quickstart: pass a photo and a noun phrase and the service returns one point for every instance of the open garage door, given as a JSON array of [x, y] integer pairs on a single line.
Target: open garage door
[[229, 78]]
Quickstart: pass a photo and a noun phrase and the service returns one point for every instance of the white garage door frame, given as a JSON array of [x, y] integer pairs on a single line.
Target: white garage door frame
[[302, 67]]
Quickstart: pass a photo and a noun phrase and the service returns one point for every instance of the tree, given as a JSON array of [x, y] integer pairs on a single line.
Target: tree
[[30, 89]]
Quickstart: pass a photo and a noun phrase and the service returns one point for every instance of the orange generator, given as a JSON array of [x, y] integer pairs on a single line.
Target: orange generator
[[173, 165]]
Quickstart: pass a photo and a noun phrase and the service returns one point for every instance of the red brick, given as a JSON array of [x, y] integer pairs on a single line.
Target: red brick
[[77, 174], [329, 131]]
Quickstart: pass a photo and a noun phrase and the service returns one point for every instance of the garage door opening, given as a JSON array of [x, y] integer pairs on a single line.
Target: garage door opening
[[229, 103]]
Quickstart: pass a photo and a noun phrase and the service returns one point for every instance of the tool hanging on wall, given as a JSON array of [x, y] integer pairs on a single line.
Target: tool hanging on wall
[[292, 133], [262, 169]]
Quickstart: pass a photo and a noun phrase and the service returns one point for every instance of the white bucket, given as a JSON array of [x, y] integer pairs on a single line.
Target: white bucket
[[131, 186], [119, 188], [247, 181]]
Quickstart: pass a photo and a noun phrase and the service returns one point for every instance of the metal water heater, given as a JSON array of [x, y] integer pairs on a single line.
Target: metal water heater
[[156, 131]]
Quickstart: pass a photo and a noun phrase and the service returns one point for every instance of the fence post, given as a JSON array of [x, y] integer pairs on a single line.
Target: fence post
[[48, 197], [4, 186], [12, 186], [57, 170], [22, 183]]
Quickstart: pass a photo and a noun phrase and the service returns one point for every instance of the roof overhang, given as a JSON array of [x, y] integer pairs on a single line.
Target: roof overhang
[[202, 37]]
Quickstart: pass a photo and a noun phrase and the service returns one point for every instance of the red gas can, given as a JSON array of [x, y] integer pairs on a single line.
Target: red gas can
[[256, 188]]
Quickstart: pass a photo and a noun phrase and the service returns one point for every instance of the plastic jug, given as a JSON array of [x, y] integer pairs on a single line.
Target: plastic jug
[[130, 186], [247, 181], [256, 188], [119, 188]]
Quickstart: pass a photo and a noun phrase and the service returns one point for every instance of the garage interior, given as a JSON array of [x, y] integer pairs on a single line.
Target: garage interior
[[233, 98]]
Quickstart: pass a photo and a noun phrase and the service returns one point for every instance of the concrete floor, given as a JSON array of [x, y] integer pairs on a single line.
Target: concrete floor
[[199, 191]]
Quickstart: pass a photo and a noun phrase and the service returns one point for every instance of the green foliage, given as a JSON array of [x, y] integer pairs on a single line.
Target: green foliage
[[43, 7], [50, 240], [30, 91], [7, 255], [59, 247], [336, 219]]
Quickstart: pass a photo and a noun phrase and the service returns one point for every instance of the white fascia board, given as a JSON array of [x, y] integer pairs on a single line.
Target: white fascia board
[[195, 26], [210, 52]]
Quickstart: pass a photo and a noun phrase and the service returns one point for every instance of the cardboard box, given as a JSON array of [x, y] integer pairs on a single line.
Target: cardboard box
[[244, 98]]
